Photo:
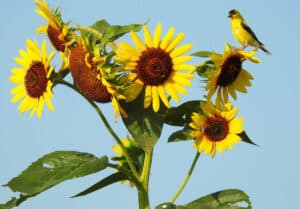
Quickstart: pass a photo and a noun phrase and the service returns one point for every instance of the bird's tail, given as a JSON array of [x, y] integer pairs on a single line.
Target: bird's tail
[[264, 49]]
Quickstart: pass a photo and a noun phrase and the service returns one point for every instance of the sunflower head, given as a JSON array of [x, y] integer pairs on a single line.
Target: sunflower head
[[34, 86], [134, 151], [158, 64], [215, 129], [57, 30], [229, 75]]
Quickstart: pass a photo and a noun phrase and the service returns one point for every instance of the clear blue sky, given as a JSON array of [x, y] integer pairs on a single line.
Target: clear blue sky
[[270, 174]]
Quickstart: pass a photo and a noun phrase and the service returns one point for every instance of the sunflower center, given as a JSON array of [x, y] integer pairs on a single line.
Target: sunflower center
[[216, 128], [230, 70], [55, 37], [36, 80], [154, 66]]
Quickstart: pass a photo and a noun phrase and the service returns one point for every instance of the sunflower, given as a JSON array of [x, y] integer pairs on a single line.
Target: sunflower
[[56, 29], [89, 76], [134, 150], [33, 79], [215, 129], [229, 75], [158, 64]]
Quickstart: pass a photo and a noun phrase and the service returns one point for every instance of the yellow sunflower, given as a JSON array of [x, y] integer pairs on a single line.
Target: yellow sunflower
[[158, 64], [33, 79], [215, 129], [56, 29], [229, 75], [132, 148]]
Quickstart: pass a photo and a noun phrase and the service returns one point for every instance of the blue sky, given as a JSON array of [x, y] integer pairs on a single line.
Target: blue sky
[[270, 174]]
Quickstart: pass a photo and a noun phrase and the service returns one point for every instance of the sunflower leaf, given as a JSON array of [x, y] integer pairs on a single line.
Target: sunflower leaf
[[225, 199], [245, 138], [14, 202], [115, 31], [202, 54], [181, 115], [54, 168], [144, 125], [181, 135], [116, 177]]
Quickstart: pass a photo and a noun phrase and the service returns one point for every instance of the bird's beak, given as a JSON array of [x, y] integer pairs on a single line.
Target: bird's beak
[[230, 15]]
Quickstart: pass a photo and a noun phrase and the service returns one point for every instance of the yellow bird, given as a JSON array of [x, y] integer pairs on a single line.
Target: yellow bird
[[243, 33]]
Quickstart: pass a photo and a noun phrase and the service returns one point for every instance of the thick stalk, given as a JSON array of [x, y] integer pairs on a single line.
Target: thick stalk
[[108, 127], [143, 191], [186, 179]]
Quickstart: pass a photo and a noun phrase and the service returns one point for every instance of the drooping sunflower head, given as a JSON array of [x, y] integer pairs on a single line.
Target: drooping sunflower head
[[134, 151], [34, 86], [215, 129], [159, 65], [56, 29], [229, 75], [86, 68]]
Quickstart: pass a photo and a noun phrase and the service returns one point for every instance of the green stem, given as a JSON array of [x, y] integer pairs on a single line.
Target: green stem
[[95, 32], [186, 179], [108, 127], [143, 192]]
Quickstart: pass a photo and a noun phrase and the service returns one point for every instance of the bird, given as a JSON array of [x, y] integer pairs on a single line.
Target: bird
[[243, 33]]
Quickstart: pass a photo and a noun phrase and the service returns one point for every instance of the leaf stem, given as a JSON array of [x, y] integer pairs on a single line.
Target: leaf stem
[[107, 125], [96, 33], [186, 179]]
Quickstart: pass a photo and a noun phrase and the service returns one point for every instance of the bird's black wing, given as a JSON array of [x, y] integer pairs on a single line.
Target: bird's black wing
[[248, 29]]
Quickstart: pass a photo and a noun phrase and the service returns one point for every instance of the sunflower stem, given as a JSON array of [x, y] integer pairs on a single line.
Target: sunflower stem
[[186, 179], [108, 127], [96, 33], [143, 192]]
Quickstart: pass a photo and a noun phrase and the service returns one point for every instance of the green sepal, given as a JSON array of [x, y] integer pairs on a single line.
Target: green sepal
[[202, 54], [116, 177], [204, 69], [144, 125], [181, 115], [181, 135], [54, 168], [225, 199], [245, 138]]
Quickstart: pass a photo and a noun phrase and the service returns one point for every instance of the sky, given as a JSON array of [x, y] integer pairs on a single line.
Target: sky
[[269, 174]]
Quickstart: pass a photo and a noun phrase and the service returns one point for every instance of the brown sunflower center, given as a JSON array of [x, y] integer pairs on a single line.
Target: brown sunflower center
[[36, 80], [154, 66], [86, 76], [216, 128], [230, 70], [56, 38]]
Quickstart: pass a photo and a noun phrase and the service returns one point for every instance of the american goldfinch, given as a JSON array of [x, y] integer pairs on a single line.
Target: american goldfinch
[[243, 33]]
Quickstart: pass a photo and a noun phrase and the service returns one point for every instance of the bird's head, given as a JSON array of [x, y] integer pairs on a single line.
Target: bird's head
[[234, 14]]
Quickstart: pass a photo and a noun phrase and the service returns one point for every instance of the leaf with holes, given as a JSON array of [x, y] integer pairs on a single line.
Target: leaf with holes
[[55, 168]]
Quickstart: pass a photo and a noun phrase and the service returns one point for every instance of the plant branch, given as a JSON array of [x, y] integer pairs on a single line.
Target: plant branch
[[186, 179]]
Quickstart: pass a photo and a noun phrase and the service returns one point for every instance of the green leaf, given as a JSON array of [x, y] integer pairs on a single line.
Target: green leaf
[[55, 168], [204, 69], [115, 31], [166, 205], [181, 115], [100, 25], [226, 199], [202, 54], [14, 202], [181, 135], [116, 177], [144, 125], [246, 139]]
